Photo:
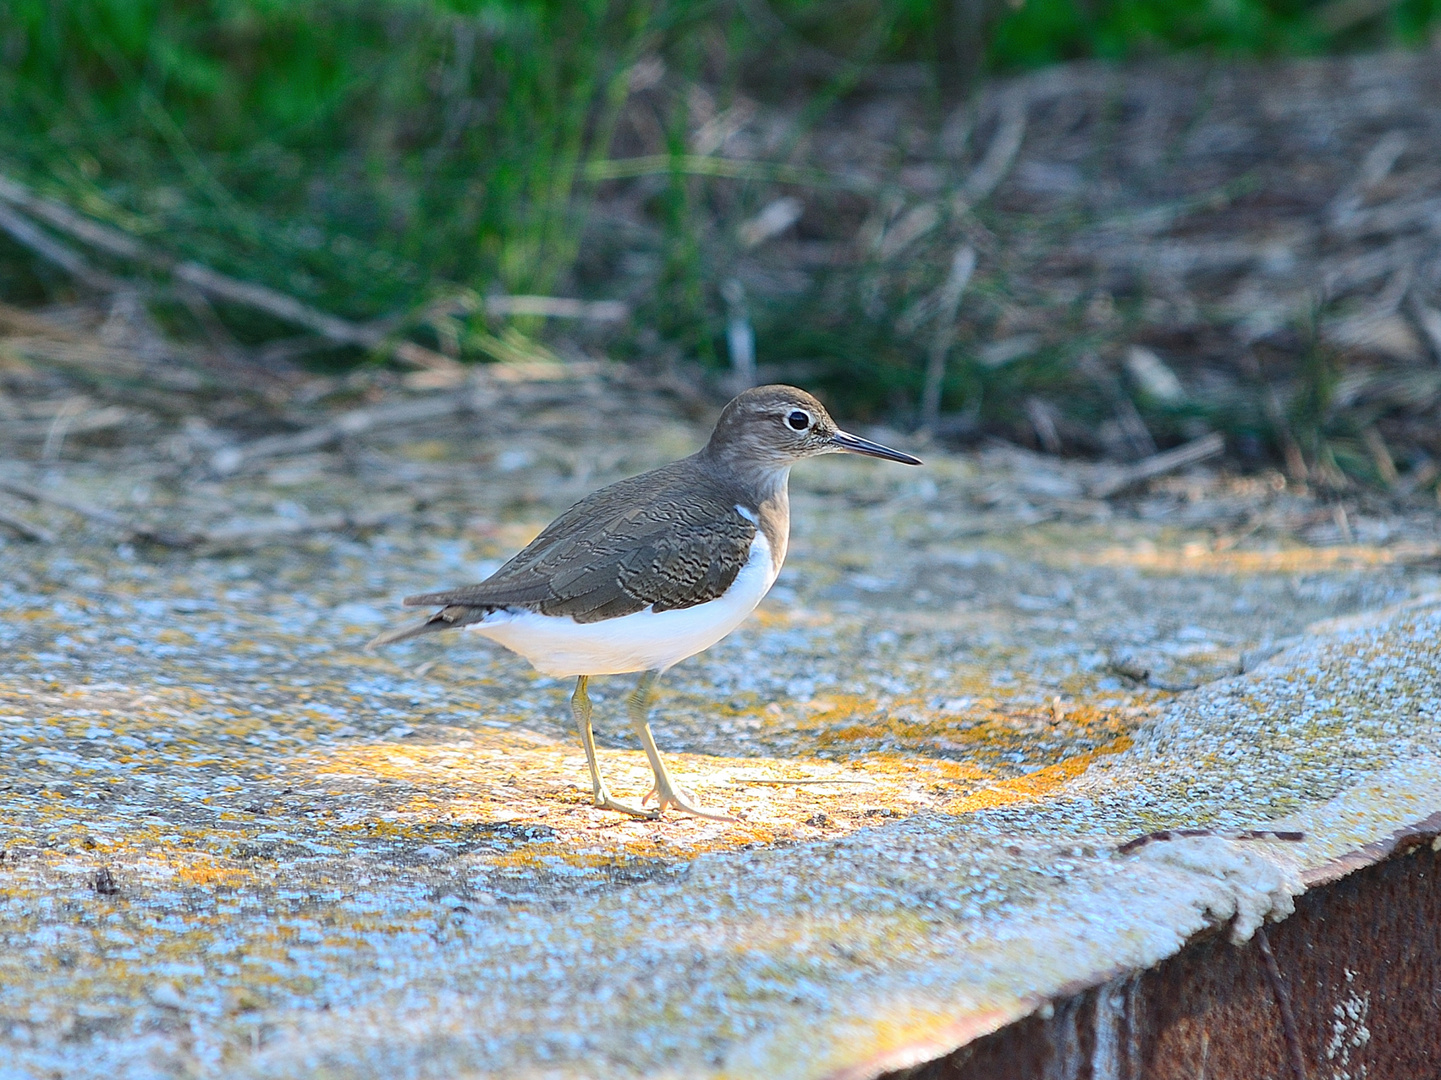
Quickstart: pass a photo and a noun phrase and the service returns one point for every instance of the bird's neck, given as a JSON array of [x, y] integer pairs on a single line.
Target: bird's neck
[[774, 518], [763, 489]]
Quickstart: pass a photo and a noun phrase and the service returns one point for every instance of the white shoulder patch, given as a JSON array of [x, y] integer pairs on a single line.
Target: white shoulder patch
[[743, 512]]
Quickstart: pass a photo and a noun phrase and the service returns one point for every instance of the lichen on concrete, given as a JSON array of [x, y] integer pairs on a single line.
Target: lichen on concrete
[[237, 845]]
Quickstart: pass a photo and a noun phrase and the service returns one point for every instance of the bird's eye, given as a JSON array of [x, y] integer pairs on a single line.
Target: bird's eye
[[799, 420]]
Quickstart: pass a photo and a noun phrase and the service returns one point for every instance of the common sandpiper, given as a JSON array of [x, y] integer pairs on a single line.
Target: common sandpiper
[[653, 569]]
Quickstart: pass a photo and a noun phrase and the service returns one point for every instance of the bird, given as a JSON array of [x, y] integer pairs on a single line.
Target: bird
[[653, 569]]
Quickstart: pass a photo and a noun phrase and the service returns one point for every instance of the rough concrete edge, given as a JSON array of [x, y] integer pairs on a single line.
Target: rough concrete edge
[[1345, 624], [1278, 652], [967, 1030], [1404, 838], [936, 1046]]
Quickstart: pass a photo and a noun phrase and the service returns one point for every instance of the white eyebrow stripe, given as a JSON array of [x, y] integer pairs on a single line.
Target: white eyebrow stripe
[[743, 512]]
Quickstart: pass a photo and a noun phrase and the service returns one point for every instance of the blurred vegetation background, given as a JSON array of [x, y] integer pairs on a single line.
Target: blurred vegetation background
[[401, 160]]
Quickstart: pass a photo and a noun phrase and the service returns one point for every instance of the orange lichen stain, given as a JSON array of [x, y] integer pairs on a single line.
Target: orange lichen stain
[[644, 841], [985, 728], [828, 708], [540, 857], [883, 767], [1040, 784], [421, 807], [915, 1035], [1201, 558], [194, 868]]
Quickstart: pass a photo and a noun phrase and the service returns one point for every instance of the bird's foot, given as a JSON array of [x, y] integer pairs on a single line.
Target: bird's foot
[[605, 802], [667, 795]]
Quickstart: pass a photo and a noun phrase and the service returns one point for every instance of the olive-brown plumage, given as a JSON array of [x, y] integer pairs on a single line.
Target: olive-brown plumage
[[669, 538]]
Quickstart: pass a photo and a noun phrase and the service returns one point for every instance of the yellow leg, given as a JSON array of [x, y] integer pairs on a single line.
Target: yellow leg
[[665, 791], [580, 709]]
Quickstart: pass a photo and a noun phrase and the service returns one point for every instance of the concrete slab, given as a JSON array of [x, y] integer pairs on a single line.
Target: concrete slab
[[235, 845]]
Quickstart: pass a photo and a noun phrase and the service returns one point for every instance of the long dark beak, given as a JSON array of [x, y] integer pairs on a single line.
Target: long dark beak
[[854, 444]]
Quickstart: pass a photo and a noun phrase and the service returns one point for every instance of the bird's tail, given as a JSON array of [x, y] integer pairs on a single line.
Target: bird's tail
[[447, 619], [427, 625]]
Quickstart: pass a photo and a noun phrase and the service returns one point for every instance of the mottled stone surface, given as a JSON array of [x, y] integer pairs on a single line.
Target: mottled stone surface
[[237, 845]]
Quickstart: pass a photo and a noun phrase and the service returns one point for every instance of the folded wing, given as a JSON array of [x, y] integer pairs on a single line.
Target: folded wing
[[612, 554]]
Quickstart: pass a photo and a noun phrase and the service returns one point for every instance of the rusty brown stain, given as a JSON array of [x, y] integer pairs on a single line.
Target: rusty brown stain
[[1360, 960], [1295, 1055]]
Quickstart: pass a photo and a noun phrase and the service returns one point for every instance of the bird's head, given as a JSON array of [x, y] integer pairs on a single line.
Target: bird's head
[[773, 427]]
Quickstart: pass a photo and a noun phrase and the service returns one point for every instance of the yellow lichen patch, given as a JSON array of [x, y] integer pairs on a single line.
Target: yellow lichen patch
[[624, 848], [921, 768], [1040, 784], [985, 728], [828, 708], [203, 870], [771, 618], [427, 450], [894, 1035], [476, 759], [1200, 558]]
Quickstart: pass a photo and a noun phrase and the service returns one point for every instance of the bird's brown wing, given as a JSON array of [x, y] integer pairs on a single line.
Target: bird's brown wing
[[656, 540]]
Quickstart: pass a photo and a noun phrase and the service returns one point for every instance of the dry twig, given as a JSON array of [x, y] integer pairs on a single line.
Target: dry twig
[[1120, 479], [963, 265], [131, 530], [559, 307], [24, 232], [29, 530], [240, 535], [210, 282], [1000, 155], [231, 459]]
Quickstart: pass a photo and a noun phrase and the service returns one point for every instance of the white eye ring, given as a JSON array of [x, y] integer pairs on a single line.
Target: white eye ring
[[799, 420]]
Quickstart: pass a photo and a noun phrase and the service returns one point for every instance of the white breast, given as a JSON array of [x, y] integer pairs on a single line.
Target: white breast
[[643, 641]]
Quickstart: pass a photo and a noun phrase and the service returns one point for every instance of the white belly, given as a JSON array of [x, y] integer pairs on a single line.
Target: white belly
[[643, 641]]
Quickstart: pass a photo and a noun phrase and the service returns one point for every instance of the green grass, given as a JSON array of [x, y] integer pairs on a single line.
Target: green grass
[[368, 156], [350, 152], [357, 151], [1046, 31]]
